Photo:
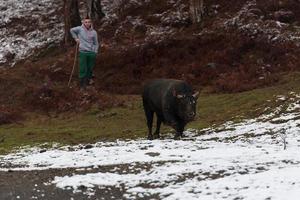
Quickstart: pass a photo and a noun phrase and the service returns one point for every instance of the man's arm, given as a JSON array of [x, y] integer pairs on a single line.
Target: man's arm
[[74, 32]]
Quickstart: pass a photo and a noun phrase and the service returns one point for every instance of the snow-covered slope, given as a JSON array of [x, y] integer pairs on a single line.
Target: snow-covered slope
[[251, 22], [26, 25]]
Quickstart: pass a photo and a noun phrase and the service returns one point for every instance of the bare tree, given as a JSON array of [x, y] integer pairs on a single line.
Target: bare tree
[[72, 18], [94, 9], [196, 10]]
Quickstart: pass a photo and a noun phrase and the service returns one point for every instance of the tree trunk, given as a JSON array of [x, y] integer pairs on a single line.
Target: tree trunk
[[196, 10], [72, 18], [94, 9]]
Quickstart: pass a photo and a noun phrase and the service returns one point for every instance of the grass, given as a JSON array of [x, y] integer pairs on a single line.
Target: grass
[[129, 122]]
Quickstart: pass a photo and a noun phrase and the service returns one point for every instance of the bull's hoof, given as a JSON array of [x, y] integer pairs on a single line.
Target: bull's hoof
[[150, 137], [182, 135], [156, 137], [177, 137]]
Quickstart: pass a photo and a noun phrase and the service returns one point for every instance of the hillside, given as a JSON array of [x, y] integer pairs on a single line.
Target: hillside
[[238, 47]]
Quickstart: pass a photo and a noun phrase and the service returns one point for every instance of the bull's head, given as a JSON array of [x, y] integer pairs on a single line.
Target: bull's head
[[187, 106]]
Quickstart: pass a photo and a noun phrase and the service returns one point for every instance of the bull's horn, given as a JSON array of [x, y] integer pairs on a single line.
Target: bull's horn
[[196, 95], [174, 92], [179, 96]]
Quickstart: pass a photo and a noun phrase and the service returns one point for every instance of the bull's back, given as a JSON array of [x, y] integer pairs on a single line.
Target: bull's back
[[156, 91]]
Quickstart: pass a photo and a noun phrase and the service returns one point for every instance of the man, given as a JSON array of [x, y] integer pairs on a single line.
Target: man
[[87, 39]]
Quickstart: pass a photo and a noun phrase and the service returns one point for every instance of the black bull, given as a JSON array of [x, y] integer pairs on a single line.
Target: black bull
[[173, 102]]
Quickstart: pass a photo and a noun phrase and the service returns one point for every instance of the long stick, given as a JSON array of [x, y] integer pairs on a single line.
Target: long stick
[[75, 61]]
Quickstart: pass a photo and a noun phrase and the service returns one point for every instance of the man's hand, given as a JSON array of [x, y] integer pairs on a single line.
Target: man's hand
[[77, 41]]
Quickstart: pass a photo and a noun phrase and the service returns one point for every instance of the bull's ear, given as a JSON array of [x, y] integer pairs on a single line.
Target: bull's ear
[[196, 95]]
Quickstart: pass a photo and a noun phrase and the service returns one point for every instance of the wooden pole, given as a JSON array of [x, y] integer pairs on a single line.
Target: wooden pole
[[74, 64]]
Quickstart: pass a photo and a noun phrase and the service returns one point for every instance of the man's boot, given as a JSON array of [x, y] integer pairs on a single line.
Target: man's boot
[[90, 82], [82, 83]]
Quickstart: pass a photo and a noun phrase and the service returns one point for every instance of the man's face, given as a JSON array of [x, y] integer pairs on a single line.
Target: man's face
[[87, 23]]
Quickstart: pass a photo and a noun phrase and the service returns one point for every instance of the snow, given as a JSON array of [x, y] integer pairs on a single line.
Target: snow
[[168, 20], [243, 160], [28, 25], [256, 26]]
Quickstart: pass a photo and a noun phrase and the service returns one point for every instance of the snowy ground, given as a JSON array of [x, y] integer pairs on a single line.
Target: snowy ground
[[26, 25], [246, 160], [256, 26]]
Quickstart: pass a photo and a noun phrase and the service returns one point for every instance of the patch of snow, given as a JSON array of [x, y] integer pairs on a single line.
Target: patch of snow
[[255, 26], [167, 22], [158, 34]]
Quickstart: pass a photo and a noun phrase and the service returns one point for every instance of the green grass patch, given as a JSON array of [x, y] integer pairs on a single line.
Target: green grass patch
[[129, 122]]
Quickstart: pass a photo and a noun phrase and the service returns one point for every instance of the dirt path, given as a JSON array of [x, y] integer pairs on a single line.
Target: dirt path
[[31, 185], [37, 185]]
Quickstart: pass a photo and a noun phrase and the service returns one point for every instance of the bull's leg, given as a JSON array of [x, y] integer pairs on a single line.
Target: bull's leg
[[175, 123], [158, 123], [149, 116], [179, 130], [182, 135]]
